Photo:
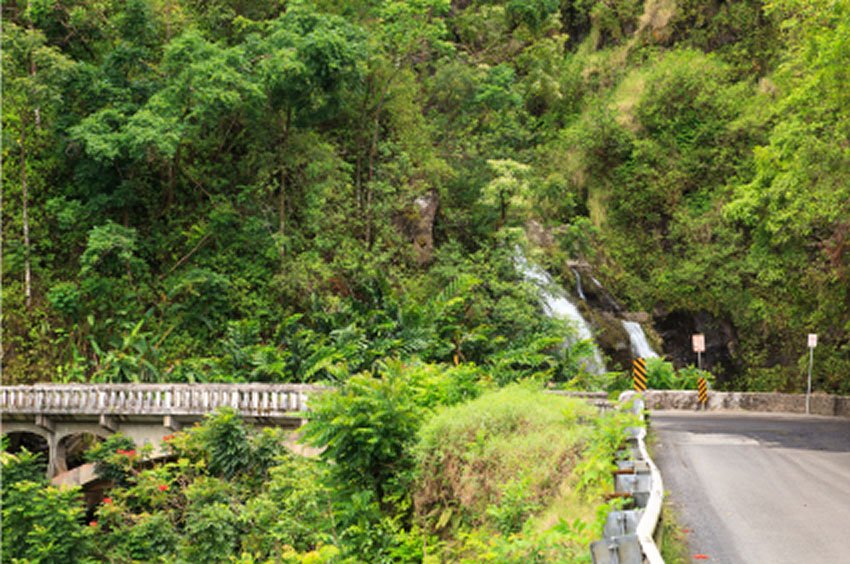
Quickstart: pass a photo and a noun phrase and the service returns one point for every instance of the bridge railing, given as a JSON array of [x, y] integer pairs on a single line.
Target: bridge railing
[[258, 400]]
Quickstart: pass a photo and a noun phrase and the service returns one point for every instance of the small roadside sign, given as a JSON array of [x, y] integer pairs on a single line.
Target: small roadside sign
[[699, 343], [813, 342]]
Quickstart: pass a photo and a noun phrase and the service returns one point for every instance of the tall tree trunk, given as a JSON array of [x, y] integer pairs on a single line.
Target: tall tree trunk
[[25, 187], [281, 203], [25, 218], [169, 190], [2, 317], [281, 197], [373, 153]]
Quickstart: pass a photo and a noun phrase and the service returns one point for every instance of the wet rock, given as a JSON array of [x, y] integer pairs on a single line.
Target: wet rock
[[417, 224], [612, 338], [595, 294], [539, 235]]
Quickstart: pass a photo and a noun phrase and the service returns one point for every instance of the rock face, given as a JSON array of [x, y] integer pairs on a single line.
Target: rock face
[[539, 235], [612, 338], [606, 315], [417, 224], [676, 329]]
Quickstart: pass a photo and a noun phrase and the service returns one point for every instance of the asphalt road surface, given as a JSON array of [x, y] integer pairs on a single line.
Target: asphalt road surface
[[758, 488]]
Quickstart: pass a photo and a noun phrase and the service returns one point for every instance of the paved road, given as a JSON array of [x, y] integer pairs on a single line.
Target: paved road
[[758, 488]]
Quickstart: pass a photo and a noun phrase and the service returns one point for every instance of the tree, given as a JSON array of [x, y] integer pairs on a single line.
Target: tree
[[508, 189], [307, 59], [33, 72]]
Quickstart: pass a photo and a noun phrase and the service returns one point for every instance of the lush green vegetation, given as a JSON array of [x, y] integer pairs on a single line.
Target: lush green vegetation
[[326, 191], [388, 486], [200, 191]]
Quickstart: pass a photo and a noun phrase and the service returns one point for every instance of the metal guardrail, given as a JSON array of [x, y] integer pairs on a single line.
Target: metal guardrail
[[629, 536], [598, 399], [259, 400]]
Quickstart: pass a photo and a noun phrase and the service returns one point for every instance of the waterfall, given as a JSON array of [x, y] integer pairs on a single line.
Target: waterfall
[[640, 346], [579, 289], [556, 304]]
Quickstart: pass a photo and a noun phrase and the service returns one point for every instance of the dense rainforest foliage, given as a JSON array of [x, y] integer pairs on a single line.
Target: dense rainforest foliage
[[292, 191], [335, 191]]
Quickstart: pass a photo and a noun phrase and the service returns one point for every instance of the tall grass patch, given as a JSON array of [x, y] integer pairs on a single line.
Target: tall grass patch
[[497, 460]]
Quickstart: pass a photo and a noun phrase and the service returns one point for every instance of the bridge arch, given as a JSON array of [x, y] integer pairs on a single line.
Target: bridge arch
[[19, 427], [34, 442], [72, 446]]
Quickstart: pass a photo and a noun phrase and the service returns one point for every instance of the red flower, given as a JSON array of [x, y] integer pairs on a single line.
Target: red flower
[[130, 453], [107, 500], [93, 524], [163, 487], [121, 451], [167, 438]]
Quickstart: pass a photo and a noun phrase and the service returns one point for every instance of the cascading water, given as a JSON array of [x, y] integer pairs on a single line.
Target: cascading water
[[640, 346], [556, 304], [579, 289]]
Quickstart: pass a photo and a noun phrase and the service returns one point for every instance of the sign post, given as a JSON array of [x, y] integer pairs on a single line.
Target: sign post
[[813, 342], [702, 392], [639, 374], [699, 347]]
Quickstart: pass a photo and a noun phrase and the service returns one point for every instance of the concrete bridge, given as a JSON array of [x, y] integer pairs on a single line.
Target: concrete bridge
[[62, 414]]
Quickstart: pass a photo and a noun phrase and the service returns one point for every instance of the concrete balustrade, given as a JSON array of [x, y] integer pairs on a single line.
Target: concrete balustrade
[[270, 400], [143, 412]]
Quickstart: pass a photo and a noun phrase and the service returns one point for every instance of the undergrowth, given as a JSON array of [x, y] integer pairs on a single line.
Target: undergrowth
[[517, 475], [674, 542]]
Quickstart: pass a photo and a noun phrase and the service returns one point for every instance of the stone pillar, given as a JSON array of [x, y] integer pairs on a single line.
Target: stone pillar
[[56, 463]]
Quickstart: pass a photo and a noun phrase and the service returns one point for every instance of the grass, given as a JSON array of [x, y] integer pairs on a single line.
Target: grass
[[499, 477], [470, 453], [674, 542]]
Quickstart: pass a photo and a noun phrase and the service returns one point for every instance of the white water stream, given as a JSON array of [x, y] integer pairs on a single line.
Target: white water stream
[[640, 346], [556, 304], [579, 289]]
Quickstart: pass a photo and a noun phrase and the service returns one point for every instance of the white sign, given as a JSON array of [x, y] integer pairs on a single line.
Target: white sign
[[699, 343], [813, 340]]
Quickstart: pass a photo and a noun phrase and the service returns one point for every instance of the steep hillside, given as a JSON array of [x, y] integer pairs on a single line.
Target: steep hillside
[[268, 190]]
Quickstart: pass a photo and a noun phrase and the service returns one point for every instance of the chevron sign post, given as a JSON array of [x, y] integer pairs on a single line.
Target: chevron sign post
[[702, 388], [639, 374]]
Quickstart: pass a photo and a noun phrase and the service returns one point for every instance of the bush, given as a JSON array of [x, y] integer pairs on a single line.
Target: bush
[[114, 458], [211, 534], [151, 537], [368, 426], [41, 523], [25, 466], [660, 375], [294, 511], [226, 440], [515, 505]]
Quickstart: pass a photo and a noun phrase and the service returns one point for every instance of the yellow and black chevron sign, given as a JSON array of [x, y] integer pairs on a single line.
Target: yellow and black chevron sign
[[702, 388], [639, 374]]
